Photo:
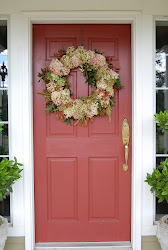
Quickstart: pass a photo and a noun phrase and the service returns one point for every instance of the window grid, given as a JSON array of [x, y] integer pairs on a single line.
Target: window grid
[[4, 140], [161, 87]]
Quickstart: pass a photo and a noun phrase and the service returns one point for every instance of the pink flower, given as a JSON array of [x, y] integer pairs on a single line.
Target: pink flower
[[98, 60], [58, 69], [113, 74], [75, 61]]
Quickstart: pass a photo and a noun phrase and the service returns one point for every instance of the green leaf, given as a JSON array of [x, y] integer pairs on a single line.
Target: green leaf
[[51, 108], [1, 222], [160, 200], [10, 189], [89, 74], [68, 121], [1, 125], [118, 84]]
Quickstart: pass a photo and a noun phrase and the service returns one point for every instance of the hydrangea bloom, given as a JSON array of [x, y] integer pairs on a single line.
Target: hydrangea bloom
[[61, 97], [58, 69]]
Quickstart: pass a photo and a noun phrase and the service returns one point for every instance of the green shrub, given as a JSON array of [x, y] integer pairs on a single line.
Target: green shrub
[[158, 181], [9, 173]]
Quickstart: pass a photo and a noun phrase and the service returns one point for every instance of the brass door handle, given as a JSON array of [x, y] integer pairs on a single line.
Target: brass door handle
[[125, 140]]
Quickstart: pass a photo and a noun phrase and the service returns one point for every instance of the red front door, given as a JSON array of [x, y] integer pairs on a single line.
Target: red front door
[[82, 193]]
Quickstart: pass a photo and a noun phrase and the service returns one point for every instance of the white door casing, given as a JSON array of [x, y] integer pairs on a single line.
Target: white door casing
[[133, 18]]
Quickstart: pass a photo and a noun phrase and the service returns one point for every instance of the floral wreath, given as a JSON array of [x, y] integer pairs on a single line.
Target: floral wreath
[[98, 73]]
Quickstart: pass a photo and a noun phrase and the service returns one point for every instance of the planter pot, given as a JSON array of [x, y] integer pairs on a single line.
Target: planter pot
[[162, 232], [3, 233]]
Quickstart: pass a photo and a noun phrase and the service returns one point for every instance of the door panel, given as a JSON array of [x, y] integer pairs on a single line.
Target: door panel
[[82, 193], [62, 175], [103, 191]]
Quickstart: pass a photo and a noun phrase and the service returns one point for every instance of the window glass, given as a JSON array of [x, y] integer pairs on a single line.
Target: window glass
[[4, 148], [3, 105], [161, 63], [161, 100], [161, 142]]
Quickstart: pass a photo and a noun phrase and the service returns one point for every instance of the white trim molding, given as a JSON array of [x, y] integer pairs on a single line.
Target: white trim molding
[[149, 128], [119, 17], [85, 245], [148, 104]]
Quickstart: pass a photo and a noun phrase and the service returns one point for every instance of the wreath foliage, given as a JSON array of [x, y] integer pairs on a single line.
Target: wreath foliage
[[98, 73]]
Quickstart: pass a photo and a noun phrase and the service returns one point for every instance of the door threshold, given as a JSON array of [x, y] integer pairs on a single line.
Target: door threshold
[[124, 245]]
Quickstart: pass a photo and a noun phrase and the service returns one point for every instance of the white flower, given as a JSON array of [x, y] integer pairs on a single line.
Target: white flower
[[61, 97], [110, 90], [68, 112], [51, 86], [101, 84], [113, 74], [56, 97], [100, 95], [92, 109]]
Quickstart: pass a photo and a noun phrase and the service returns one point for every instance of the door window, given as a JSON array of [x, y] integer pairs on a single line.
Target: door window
[[161, 100], [4, 149]]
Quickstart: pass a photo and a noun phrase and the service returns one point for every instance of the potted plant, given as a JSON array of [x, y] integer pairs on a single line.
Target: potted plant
[[9, 173], [158, 180]]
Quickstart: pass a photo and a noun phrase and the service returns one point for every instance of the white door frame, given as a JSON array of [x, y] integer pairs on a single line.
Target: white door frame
[[90, 17]]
